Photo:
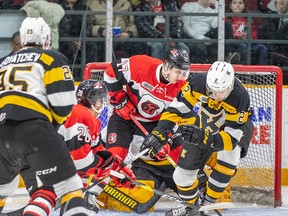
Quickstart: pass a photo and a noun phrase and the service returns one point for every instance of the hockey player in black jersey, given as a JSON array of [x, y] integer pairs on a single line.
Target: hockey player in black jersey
[[220, 107], [36, 96]]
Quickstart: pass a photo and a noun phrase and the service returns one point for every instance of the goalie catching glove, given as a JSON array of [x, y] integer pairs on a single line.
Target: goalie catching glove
[[159, 142], [108, 162], [125, 107], [197, 136]]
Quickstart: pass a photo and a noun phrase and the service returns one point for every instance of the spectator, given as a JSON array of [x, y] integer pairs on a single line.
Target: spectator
[[126, 22], [71, 26], [51, 12], [276, 29], [154, 26], [205, 28], [12, 4], [240, 28], [15, 44]]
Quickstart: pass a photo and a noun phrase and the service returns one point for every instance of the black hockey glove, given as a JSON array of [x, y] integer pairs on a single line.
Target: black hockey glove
[[159, 142], [197, 136]]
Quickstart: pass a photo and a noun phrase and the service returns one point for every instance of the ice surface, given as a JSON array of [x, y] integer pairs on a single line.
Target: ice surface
[[20, 198]]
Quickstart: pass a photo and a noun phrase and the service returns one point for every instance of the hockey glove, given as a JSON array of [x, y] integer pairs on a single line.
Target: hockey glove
[[197, 136], [120, 166], [124, 108], [159, 142], [105, 164]]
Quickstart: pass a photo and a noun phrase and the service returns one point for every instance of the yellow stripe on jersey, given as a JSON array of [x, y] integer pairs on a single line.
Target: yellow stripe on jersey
[[71, 195], [198, 95], [229, 108], [187, 121], [53, 75], [188, 95], [170, 117], [238, 117], [57, 118], [25, 102], [224, 170], [227, 141], [46, 59]]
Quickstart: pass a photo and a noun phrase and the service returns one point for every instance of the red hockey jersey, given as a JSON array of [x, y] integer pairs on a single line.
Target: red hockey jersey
[[139, 76], [81, 133]]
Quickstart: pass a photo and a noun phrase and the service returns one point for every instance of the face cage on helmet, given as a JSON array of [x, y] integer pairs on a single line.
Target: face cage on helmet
[[104, 103]]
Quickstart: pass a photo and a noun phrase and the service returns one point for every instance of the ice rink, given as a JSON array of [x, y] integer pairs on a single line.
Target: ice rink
[[20, 198]]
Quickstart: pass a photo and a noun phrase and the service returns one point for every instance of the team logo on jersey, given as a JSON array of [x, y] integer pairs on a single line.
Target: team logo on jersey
[[112, 137], [149, 107]]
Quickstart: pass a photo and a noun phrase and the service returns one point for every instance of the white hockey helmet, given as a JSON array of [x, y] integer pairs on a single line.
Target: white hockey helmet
[[220, 80], [35, 31]]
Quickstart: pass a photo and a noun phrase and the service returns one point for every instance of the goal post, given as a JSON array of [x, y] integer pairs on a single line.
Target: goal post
[[258, 177]]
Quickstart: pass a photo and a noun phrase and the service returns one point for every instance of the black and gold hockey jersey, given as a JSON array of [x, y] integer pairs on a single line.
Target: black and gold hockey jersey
[[36, 84], [224, 119]]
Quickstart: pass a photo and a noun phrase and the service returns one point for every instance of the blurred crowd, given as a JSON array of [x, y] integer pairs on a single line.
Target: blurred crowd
[[202, 28]]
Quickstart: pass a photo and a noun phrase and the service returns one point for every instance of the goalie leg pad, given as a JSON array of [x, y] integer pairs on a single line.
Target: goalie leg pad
[[139, 194]]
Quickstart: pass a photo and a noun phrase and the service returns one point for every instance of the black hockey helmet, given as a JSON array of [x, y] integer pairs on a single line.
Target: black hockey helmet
[[90, 91], [178, 58]]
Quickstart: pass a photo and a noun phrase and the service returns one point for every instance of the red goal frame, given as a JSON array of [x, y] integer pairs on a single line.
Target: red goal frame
[[200, 68]]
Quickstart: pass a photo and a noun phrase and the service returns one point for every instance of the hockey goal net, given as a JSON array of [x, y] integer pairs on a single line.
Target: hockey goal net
[[258, 177]]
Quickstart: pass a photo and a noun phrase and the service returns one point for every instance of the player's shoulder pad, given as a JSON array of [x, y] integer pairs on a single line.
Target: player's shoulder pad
[[52, 58]]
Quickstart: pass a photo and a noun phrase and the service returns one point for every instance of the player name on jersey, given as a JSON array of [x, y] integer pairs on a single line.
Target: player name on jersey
[[21, 57]]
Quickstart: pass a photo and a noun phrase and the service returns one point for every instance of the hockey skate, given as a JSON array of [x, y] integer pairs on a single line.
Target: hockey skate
[[186, 211], [92, 202]]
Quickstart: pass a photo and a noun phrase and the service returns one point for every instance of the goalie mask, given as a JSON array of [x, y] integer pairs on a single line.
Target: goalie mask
[[220, 80], [92, 94], [35, 31], [176, 61]]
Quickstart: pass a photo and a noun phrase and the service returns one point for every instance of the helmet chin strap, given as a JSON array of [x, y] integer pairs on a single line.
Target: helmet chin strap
[[98, 111]]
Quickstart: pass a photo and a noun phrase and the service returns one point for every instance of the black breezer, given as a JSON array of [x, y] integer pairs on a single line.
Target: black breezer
[[28, 142]]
